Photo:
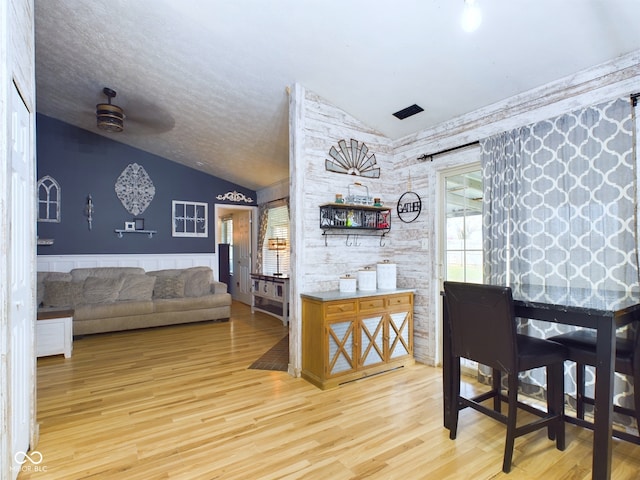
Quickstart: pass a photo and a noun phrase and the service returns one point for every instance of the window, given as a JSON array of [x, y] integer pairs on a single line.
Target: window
[[226, 236], [189, 219], [275, 248], [48, 200], [463, 226]]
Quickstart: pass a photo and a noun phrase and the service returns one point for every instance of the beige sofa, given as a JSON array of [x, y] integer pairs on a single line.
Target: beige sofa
[[108, 299]]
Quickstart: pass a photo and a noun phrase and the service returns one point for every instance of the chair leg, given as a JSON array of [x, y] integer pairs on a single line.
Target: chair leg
[[580, 388], [454, 402], [512, 395], [496, 384], [551, 400], [555, 403], [636, 394]]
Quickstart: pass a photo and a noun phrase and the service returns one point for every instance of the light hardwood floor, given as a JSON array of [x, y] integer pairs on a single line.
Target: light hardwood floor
[[180, 403]]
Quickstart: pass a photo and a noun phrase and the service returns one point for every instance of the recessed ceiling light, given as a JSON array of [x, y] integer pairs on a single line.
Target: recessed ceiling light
[[407, 112]]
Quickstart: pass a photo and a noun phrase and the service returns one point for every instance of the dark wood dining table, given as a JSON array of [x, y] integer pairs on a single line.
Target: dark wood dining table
[[605, 311]]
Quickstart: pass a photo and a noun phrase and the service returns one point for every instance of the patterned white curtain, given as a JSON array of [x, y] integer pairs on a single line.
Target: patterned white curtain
[[560, 201], [263, 216], [560, 206], [502, 161]]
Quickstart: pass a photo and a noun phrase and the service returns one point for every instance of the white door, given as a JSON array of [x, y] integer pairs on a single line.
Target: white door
[[241, 283], [460, 227], [21, 355]]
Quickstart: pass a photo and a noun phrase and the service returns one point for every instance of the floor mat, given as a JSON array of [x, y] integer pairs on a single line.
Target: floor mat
[[276, 358]]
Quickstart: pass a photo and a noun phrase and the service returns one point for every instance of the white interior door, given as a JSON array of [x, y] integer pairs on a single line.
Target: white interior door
[[21, 355], [241, 283]]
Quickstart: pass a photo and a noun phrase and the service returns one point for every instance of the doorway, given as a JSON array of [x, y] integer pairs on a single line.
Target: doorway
[[459, 225], [238, 223]]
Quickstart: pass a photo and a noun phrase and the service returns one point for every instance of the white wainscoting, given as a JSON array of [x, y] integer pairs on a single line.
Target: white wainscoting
[[66, 263]]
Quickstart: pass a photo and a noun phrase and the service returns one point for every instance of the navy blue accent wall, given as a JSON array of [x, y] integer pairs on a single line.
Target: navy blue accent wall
[[85, 163]]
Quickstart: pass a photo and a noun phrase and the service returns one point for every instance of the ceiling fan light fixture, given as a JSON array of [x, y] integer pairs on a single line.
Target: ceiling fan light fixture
[[109, 117], [471, 16]]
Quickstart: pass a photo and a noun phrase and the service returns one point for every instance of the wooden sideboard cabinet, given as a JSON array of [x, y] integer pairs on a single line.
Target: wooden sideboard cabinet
[[350, 336]]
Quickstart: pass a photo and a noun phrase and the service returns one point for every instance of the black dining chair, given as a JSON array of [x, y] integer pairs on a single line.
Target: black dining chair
[[581, 345], [483, 329]]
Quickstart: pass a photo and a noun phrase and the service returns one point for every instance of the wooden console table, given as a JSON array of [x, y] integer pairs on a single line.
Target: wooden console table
[[54, 333]]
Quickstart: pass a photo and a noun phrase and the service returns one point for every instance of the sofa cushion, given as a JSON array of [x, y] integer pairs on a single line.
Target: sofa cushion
[[218, 287], [61, 293], [137, 287], [181, 304], [42, 276], [169, 272], [81, 274], [169, 287], [110, 310], [198, 281], [101, 290]]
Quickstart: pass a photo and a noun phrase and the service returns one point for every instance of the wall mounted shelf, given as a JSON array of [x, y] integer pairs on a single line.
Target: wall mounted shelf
[[353, 221], [120, 232]]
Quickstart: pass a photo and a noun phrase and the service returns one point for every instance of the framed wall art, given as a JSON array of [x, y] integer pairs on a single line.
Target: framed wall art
[[189, 219], [139, 223]]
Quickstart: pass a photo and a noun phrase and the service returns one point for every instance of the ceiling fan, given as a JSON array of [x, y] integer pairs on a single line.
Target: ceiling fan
[[109, 117], [142, 117]]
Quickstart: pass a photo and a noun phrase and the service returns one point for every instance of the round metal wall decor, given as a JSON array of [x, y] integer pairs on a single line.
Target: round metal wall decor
[[409, 207]]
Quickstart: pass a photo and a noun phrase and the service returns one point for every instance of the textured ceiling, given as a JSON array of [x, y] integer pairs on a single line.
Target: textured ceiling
[[204, 82]]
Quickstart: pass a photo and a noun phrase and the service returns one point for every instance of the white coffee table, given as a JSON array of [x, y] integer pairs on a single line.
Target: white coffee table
[[54, 333]]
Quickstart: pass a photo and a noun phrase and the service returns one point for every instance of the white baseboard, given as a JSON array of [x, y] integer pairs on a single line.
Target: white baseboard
[[66, 263]]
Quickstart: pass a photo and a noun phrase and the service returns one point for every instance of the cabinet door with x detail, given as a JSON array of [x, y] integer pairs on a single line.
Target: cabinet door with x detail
[[371, 340], [341, 347], [400, 336]]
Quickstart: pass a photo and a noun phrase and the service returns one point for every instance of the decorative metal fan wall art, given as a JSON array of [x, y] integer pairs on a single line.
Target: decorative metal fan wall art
[[352, 160]]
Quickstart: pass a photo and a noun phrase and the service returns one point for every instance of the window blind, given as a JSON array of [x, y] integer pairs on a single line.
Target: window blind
[[275, 253]]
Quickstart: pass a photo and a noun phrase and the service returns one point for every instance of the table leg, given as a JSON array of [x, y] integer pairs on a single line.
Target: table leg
[[603, 414]]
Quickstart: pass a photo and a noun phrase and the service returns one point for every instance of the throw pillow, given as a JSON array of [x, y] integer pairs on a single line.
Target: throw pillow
[[169, 287], [49, 276], [137, 287], [198, 283], [60, 293], [101, 290]]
